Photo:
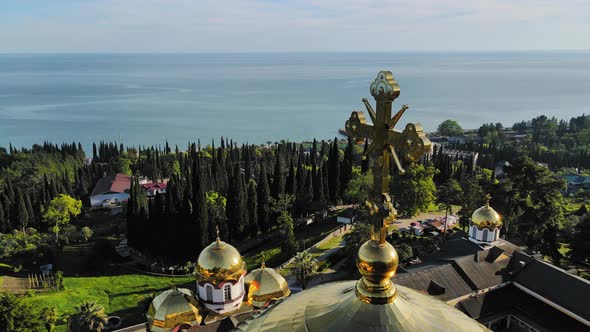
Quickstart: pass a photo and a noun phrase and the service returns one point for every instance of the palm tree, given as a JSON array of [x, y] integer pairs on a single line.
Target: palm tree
[[89, 316], [49, 317], [304, 267]]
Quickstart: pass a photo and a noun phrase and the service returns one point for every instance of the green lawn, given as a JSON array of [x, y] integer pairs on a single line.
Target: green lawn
[[330, 244], [271, 254], [117, 294]]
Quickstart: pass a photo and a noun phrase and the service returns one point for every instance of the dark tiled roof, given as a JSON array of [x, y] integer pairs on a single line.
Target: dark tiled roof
[[480, 272], [511, 300], [426, 280], [554, 284]]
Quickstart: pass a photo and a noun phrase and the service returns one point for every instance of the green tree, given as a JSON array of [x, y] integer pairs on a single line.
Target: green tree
[[263, 196], [89, 316], [216, 210], [304, 266], [86, 233], [278, 182], [3, 220], [280, 207], [450, 128], [23, 214], [358, 189], [253, 208], [346, 166], [531, 197], [16, 315], [60, 211], [353, 240], [581, 241], [448, 194], [405, 252], [333, 166], [414, 190], [236, 205], [59, 280], [472, 198], [49, 318], [200, 207], [289, 246]]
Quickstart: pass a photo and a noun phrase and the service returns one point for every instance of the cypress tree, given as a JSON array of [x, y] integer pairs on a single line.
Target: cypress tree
[[94, 153], [247, 164], [300, 177], [236, 205], [3, 221], [30, 210], [306, 194], [291, 187], [263, 199], [23, 215], [334, 172], [10, 193], [326, 191], [200, 206], [346, 167], [314, 154], [252, 208], [278, 183]]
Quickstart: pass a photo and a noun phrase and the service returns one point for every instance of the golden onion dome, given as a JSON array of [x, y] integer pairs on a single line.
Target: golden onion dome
[[377, 262], [220, 262], [264, 285], [373, 303], [335, 307], [172, 308], [486, 217]]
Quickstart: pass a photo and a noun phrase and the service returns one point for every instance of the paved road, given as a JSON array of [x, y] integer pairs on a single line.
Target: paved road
[[337, 233]]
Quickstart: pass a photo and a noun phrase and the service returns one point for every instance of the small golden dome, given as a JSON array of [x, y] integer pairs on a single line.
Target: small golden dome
[[266, 284], [486, 217], [166, 309], [219, 262], [377, 262]]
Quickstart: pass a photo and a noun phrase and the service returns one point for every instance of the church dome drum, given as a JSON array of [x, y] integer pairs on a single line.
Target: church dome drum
[[485, 224], [220, 272]]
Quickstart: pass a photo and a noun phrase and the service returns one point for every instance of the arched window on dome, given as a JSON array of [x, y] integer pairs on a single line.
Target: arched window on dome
[[473, 231], [209, 290], [227, 292], [485, 234]]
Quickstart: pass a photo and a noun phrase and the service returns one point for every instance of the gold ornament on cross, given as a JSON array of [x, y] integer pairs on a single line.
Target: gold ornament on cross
[[386, 143]]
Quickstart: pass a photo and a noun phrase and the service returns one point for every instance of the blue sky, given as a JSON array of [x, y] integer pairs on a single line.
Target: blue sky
[[291, 25]]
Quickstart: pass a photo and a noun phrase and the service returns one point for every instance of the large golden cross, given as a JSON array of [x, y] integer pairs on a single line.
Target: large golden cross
[[386, 143]]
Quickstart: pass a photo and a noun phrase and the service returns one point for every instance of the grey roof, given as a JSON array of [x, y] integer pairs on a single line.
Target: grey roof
[[553, 283], [511, 300], [429, 279], [483, 269]]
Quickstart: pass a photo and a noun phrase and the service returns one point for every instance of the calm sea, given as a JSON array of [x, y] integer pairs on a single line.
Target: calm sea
[[148, 98]]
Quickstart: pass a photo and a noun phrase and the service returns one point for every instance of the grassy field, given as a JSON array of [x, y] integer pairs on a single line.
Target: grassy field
[[308, 236], [119, 295]]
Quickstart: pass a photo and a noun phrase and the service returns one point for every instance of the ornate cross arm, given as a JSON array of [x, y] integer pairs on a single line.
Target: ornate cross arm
[[397, 116], [357, 127], [412, 143]]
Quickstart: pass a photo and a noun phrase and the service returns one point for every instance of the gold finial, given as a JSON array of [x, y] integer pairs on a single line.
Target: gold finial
[[488, 199], [218, 240], [262, 263], [377, 260]]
